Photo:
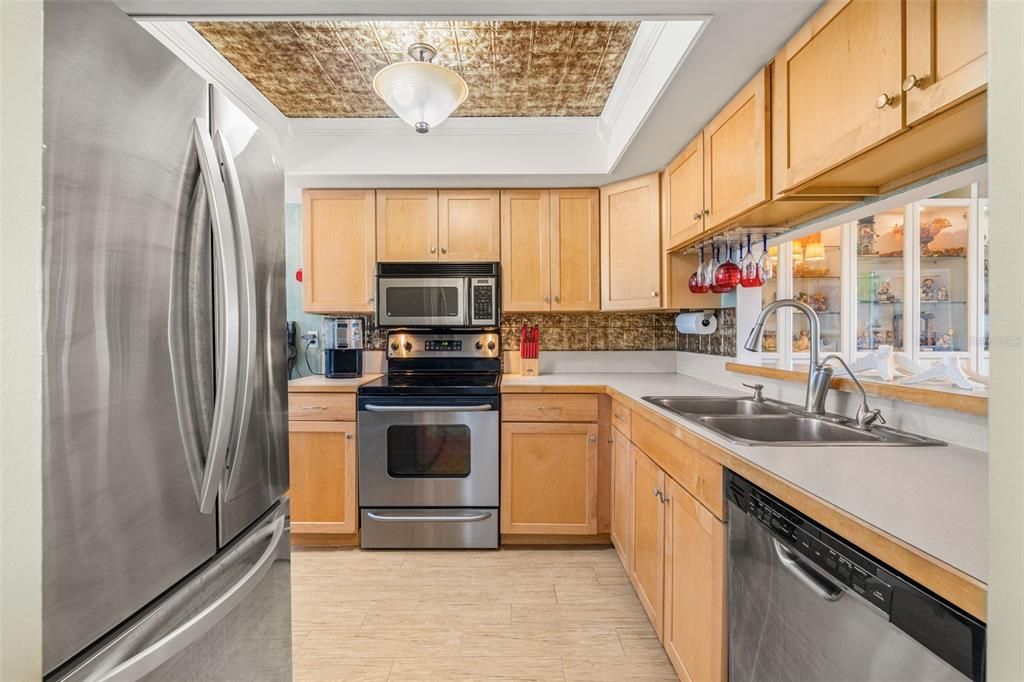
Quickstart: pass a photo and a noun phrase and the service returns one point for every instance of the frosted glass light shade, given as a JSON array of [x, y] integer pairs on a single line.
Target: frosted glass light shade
[[422, 94]]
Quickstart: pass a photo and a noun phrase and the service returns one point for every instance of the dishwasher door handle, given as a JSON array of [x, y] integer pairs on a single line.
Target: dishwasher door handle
[[805, 573]]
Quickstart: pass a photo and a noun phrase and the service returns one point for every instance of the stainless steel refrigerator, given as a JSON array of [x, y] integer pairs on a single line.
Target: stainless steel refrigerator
[[166, 543]]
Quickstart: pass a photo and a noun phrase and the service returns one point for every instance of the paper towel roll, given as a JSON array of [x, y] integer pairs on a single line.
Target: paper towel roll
[[696, 323]]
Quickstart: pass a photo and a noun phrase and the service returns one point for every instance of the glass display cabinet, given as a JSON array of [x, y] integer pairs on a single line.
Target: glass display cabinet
[[913, 277]]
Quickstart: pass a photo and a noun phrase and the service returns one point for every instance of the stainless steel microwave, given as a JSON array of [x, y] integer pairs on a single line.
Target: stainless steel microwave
[[446, 295]]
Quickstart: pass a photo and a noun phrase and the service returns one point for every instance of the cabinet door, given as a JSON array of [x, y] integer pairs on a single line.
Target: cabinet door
[[695, 630], [631, 245], [622, 498], [736, 154], [525, 250], [322, 467], [647, 571], [468, 225], [549, 478], [575, 250], [407, 225], [338, 250], [683, 194], [947, 54], [826, 86]]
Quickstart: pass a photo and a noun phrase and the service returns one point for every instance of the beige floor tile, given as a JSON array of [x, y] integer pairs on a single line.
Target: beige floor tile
[[483, 594], [542, 641], [584, 556], [593, 669], [477, 668], [641, 642], [383, 643], [307, 668], [462, 559], [612, 614], [611, 575], [532, 575], [438, 616], [574, 592], [310, 615]]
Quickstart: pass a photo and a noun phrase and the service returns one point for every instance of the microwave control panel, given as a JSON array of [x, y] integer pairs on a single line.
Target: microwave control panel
[[484, 301]]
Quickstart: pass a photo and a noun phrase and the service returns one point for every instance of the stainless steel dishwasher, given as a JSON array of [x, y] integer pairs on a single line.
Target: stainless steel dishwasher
[[806, 606]]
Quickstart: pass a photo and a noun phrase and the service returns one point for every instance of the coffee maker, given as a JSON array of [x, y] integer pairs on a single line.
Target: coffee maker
[[343, 347]]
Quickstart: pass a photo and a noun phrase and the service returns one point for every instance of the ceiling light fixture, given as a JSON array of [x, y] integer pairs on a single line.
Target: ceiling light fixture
[[423, 94]]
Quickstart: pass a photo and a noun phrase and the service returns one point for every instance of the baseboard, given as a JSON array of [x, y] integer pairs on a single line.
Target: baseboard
[[601, 539]]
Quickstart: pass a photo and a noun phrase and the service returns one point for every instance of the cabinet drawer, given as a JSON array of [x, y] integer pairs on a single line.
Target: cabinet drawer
[[549, 408], [622, 418], [698, 474], [322, 406]]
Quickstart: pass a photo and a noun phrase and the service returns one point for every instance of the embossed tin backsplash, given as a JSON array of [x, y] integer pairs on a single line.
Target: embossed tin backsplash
[[325, 69]]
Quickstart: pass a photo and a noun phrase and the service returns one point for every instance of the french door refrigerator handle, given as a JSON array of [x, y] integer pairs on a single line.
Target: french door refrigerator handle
[[177, 640], [227, 384], [428, 408], [805, 574], [247, 310]]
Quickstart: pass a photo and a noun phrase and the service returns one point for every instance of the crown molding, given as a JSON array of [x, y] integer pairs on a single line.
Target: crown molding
[[511, 126], [194, 50]]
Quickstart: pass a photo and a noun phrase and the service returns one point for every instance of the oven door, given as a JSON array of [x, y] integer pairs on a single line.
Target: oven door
[[428, 452], [422, 302]]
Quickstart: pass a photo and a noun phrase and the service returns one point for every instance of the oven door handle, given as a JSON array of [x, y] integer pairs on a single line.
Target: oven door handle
[[430, 408], [405, 517]]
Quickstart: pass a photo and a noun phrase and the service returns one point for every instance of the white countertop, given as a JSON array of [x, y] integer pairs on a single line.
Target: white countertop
[[934, 498]]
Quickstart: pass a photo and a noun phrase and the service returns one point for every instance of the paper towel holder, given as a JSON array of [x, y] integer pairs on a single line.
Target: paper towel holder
[[703, 322]]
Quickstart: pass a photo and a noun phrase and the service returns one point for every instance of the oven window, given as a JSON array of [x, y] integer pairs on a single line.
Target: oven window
[[428, 451], [422, 301]]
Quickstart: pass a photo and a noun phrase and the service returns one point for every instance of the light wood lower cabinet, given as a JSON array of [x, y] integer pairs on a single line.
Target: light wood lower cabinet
[[695, 608], [647, 571], [322, 457], [622, 498], [549, 478]]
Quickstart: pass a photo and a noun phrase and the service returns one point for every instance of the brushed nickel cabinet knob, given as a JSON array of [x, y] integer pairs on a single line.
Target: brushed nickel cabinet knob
[[912, 81], [885, 100], [558, 299], [433, 249], [444, 249], [697, 215]]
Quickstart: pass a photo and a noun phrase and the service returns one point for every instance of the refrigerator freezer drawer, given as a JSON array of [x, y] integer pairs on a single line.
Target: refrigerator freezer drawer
[[231, 620], [429, 528]]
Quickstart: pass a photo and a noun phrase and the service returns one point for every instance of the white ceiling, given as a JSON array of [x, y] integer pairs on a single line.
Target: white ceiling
[[737, 38]]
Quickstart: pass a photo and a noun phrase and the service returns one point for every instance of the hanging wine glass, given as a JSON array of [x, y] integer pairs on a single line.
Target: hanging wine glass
[[698, 280], [712, 267], [727, 276], [750, 273], [764, 264]]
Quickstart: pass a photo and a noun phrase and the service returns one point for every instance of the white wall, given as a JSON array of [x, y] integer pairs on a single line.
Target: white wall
[[1006, 412], [21, 118]]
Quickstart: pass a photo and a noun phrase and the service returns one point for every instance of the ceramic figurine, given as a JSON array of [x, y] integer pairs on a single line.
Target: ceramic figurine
[[942, 294], [803, 342], [928, 289], [819, 302], [885, 293], [866, 237]]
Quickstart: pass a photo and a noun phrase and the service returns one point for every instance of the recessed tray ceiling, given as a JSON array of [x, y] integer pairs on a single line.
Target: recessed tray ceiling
[[325, 69]]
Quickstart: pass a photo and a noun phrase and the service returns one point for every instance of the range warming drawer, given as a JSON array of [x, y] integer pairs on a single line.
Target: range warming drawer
[[415, 528]]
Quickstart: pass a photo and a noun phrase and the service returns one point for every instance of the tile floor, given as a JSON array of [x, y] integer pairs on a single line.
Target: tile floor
[[512, 614]]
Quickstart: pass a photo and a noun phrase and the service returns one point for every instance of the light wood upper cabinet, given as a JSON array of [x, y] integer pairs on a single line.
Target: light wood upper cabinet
[[575, 250], [631, 252], [622, 498], [737, 156], [549, 478], [836, 88], [322, 457], [468, 224], [947, 54], [338, 250], [647, 571], [407, 225], [525, 250], [695, 607], [682, 190]]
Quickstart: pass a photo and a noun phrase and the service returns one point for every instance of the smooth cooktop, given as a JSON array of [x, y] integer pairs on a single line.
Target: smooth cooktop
[[427, 383]]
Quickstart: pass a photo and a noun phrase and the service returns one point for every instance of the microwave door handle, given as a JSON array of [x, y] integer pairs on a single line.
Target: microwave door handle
[[428, 408]]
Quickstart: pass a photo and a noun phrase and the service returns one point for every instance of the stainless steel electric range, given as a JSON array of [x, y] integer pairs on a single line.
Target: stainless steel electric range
[[429, 443]]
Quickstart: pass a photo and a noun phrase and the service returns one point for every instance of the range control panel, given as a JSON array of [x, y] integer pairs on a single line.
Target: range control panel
[[471, 345]]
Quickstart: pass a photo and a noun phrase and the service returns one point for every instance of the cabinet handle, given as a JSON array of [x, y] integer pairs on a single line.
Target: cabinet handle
[[912, 81], [369, 300], [611, 440], [885, 100], [654, 292], [697, 215], [433, 249], [549, 407], [592, 438], [547, 299], [620, 417], [349, 436], [707, 211], [657, 493], [444, 249], [558, 299], [314, 407]]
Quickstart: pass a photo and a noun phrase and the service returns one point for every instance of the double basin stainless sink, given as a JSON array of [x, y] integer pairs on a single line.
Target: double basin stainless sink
[[747, 421]]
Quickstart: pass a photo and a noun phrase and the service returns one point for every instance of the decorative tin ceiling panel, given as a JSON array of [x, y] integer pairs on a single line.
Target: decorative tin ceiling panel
[[325, 69]]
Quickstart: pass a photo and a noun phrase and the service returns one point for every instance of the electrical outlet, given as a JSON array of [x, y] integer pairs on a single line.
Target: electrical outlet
[[312, 338]]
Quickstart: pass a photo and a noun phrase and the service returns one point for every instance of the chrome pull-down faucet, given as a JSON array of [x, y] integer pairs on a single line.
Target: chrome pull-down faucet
[[819, 374]]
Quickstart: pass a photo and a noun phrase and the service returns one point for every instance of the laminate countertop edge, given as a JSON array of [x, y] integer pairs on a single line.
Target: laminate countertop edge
[[935, 573], [320, 384]]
